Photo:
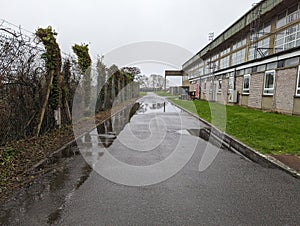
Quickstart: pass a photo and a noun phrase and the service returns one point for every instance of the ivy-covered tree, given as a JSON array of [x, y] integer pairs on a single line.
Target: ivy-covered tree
[[66, 88], [52, 57], [101, 70], [84, 62], [112, 73]]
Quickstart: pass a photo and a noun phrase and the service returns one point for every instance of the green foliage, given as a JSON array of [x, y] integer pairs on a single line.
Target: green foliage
[[56, 92], [84, 59], [87, 80], [101, 69], [132, 71], [128, 77], [52, 55], [113, 69], [52, 58], [142, 94], [85, 62], [8, 154], [164, 94], [67, 76]]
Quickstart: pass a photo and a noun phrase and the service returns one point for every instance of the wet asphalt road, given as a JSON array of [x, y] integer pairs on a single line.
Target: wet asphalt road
[[146, 172]]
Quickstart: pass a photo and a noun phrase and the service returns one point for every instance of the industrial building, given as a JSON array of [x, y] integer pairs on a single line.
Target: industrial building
[[254, 62]]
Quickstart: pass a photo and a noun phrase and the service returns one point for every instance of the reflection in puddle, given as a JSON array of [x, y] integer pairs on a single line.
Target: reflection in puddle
[[56, 215], [103, 136], [48, 194], [86, 170], [54, 189], [106, 136], [158, 107], [183, 132]]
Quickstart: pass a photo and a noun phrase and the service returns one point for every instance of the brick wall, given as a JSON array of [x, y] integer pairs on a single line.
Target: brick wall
[[285, 83], [256, 90], [239, 86], [225, 90], [203, 94]]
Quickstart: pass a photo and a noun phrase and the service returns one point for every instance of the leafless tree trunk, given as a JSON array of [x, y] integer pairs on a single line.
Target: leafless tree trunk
[[44, 106], [68, 113]]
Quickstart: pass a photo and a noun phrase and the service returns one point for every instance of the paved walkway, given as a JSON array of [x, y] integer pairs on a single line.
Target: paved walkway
[[230, 190]]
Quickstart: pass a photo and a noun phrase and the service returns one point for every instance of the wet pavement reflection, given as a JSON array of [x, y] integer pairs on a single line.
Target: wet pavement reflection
[[157, 105], [43, 201], [93, 144]]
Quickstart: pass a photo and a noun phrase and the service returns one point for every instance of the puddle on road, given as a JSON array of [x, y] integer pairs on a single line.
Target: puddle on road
[[158, 107], [63, 174], [48, 193], [56, 215], [156, 104], [183, 132], [67, 171], [201, 133]]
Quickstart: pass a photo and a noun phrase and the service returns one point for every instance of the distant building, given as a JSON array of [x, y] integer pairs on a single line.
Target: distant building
[[255, 62]]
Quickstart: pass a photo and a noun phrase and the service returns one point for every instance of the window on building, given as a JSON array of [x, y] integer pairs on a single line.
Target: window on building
[[239, 43], [291, 62], [246, 84], [241, 72], [288, 16], [220, 85], [280, 64], [269, 82], [264, 46], [208, 67], [265, 29], [271, 66], [262, 49], [292, 14], [281, 19], [204, 86], [238, 57], [214, 57], [224, 62], [298, 83], [288, 38], [225, 51], [214, 65], [288, 62], [261, 68], [248, 70], [231, 83], [251, 53]]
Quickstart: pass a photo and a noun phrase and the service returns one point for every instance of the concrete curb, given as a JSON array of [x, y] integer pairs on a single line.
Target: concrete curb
[[236, 146], [66, 149]]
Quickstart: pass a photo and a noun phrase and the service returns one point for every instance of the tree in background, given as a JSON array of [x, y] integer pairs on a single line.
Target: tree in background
[[84, 62], [66, 88], [112, 74], [152, 82], [133, 71], [101, 70]]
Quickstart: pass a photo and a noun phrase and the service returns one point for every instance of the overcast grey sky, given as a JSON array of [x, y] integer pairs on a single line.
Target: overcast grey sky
[[110, 24]]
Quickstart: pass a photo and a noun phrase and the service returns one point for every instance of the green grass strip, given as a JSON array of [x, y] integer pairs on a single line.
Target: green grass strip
[[268, 133], [164, 94]]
